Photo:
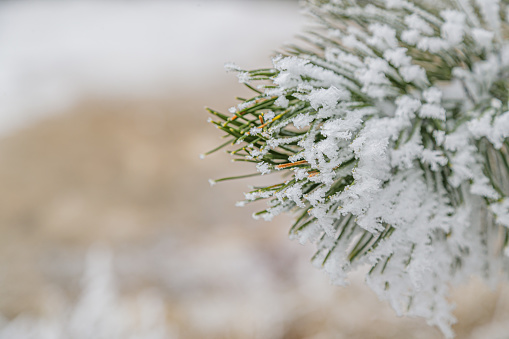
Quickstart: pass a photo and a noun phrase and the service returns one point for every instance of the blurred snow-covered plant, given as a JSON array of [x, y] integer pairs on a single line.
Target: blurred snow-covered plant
[[99, 313], [392, 125]]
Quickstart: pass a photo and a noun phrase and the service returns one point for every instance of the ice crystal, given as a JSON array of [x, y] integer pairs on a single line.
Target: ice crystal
[[393, 128]]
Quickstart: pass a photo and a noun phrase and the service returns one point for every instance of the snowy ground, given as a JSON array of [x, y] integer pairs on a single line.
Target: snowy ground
[[56, 52]]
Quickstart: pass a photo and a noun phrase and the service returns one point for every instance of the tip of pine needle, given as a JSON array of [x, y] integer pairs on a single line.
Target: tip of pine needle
[[202, 156], [212, 182]]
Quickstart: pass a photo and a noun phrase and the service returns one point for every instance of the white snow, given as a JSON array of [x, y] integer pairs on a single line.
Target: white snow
[[54, 53]]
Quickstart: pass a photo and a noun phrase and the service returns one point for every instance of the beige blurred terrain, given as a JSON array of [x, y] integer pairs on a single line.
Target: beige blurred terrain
[[90, 157]]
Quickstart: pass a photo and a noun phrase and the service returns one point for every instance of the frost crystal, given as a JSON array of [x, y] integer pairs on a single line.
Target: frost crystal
[[393, 130]]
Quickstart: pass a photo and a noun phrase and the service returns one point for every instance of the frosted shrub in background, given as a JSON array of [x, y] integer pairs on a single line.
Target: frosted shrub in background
[[98, 314], [391, 124]]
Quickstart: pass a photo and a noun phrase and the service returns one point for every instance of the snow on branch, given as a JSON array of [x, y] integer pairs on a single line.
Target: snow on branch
[[394, 138]]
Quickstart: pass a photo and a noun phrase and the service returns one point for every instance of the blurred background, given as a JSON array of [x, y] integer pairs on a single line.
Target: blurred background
[[109, 227]]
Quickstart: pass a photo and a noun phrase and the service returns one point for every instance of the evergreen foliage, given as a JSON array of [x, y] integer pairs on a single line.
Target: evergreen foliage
[[391, 120]]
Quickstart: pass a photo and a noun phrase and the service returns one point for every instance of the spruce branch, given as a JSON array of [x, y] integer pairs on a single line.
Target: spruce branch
[[391, 123]]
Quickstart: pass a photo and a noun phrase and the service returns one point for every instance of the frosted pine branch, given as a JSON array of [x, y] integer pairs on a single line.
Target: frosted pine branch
[[393, 124]]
